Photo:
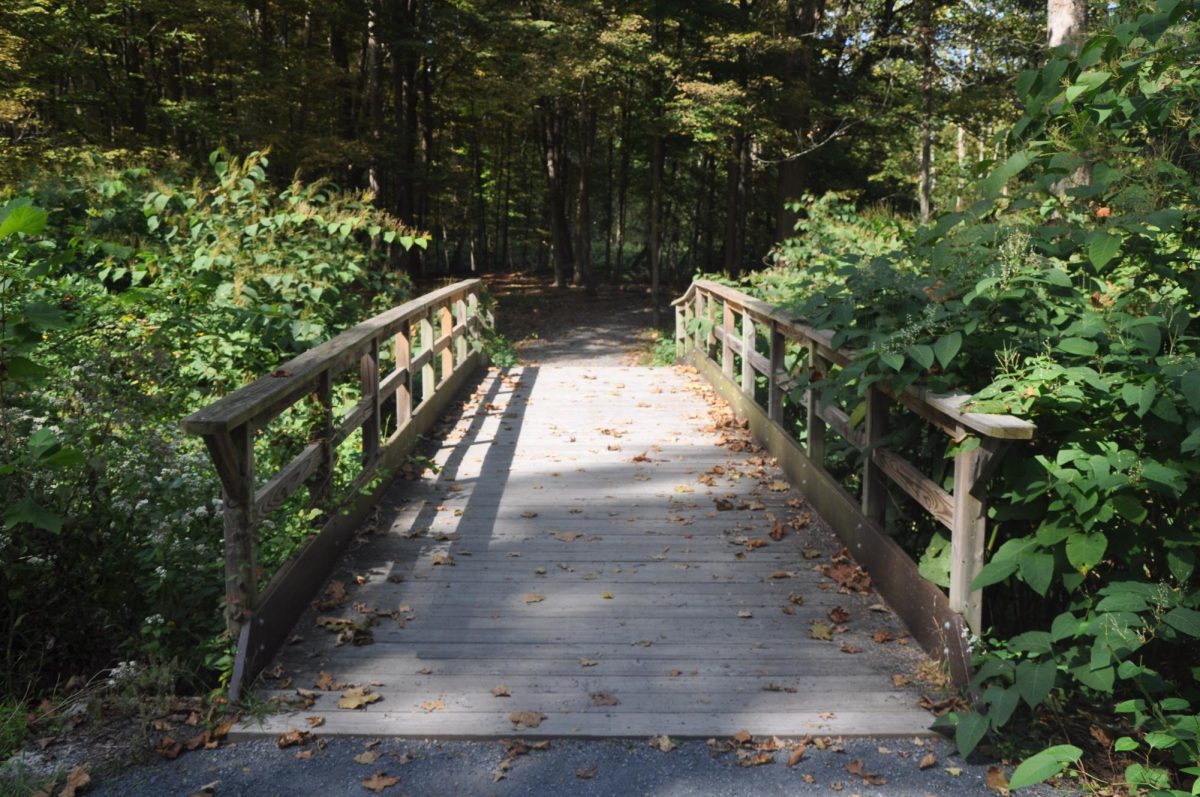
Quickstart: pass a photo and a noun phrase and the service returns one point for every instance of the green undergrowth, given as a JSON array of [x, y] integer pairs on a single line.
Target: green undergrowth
[[132, 292], [1068, 294]]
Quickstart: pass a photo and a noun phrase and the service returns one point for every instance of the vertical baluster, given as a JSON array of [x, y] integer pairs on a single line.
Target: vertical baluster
[[448, 352], [368, 372], [403, 361], [427, 377], [774, 388], [726, 340], [460, 320], [816, 424], [749, 348], [233, 454], [874, 482], [969, 535]]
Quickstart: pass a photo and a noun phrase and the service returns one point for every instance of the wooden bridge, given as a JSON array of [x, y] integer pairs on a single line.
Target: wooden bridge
[[600, 550]]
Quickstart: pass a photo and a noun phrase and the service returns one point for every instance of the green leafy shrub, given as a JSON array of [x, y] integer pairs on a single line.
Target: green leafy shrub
[[140, 296], [1068, 294]]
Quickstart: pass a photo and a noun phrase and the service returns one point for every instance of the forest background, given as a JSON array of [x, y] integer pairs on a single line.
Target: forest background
[[197, 190]]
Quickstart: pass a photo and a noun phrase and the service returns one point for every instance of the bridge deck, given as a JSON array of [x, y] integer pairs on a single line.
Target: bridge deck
[[571, 554]]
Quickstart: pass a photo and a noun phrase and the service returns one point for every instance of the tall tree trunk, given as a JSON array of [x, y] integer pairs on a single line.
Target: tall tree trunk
[[1066, 21], [622, 191], [925, 188], [803, 20], [373, 69], [583, 208], [735, 204], [608, 206], [960, 151], [556, 192], [657, 157]]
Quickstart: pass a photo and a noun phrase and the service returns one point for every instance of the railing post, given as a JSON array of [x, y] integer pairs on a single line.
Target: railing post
[[368, 372], [428, 383], [698, 314], [815, 423], [726, 339], [404, 389], [233, 455], [969, 535], [874, 482], [447, 330], [749, 349], [460, 319], [774, 389], [710, 342], [680, 330], [322, 480]]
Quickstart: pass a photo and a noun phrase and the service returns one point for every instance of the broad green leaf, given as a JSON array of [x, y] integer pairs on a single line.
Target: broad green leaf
[[1037, 568], [892, 359], [1084, 551], [1080, 346], [1103, 247], [921, 354], [1129, 507], [1190, 384], [1045, 764], [947, 346], [969, 732], [26, 510], [21, 218], [993, 573], [1035, 642], [1184, 620], [1035, 679]]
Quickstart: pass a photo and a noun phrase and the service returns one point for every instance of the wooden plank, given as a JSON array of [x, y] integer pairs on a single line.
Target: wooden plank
[[837, 420], [395, 381], [288, 480], [298, 376], [815, 444], [442, 344], [727, 340], [775, 389], [919, 487], [404, 371], [968, 535], [923, 607], [355, 417], [874, 485], [369, 385]]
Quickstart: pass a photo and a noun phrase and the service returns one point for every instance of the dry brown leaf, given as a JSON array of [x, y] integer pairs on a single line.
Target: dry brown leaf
[[584, 662], [430, 706], [797, 753], [798, 600], [750, 758], [901, 680], [207, 790], [663, 743], [501, 690], [379, 781], [294, 738], [745, 614], [930, 760], [848, 648], [304, 755], [532, 597], [566, 536], [742, 736], [324, 682], [587, 774], [606, 596], [778, 486], [821, 631], [77, 780], [778, 531], [315, 722], [357, 698], [526, 719], [604, 699], [441, 558], [168, 748], [529, 515], [779, 574], [684, 488], [366, 757], [838, 615], [810, 553], [855, 767], [996, 780], [882, 636], [756, 542]]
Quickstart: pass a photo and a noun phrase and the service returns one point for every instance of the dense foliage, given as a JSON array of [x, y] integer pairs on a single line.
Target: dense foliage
[[129, 296], [1067, 293]]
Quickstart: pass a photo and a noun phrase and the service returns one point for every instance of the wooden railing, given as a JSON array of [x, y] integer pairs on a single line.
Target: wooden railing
[[730, 323], [435, 343]]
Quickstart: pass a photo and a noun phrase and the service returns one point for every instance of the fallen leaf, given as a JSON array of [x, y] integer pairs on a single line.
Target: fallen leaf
[[930, 760], [325, 682], [606, 596], [168, 748], [379, 781], [501, 691], [796, 754], [821, 631], [744, 614], [441, 558], [529, 515], [587, 663], [996, 780], [742, 736], [778, 486], [77, 779], [430, 706], [838, 615], [586, 774], [526, 719], [663, 743], [532, 597], [566, 536], [366, 757], [358, 697], [209, 789], [684, 488], [810, 553], [750, 758], [798, 600], [953, 772], [294, 738], [777, 531], [756, 542], [882, 636], [778, 574], [848, 648], [901, 680], [604, 699], [304, 755]]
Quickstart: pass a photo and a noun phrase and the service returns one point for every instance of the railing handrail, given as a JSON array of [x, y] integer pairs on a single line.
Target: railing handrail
[[946, 406], [300, 374]]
